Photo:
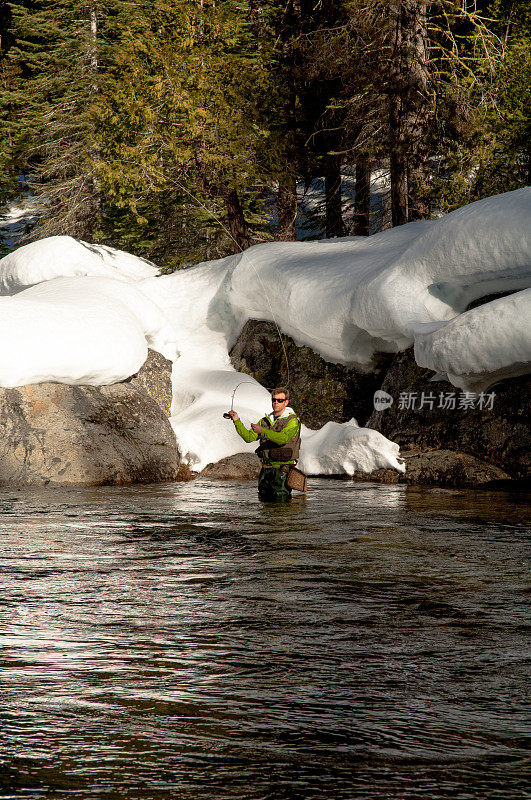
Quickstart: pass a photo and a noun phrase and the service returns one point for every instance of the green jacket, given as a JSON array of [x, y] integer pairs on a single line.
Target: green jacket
[[280, 438]]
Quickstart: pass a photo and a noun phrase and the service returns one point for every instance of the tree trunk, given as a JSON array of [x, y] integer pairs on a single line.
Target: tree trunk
[[398, 169], [287, 208], [93, 180], [397, 142], [93, 54], [408, 110], [362, 202], [419, 205], [235, 216], [236, 219], [334, 220], [418, 116], [287, 33]]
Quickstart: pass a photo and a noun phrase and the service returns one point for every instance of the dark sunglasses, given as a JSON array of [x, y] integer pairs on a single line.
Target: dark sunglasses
[[278, 400]]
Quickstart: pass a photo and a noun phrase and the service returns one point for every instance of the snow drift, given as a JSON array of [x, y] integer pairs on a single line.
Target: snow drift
[[63, 256], [486, 344], [79, 331]]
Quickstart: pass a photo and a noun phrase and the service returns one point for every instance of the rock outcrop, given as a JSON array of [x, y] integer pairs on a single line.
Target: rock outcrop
[[52, 433], [478, 439], [321, 391], [440, 468], [499, 434]]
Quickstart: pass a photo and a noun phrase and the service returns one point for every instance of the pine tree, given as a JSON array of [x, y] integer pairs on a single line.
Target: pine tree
[[6, 80], [170, 127], [55, 58], [182, 119], [402, 66], [349, 59], [309, 121], [18, 45]]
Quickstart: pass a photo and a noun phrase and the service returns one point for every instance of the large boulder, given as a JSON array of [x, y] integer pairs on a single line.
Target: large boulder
[[493, 427], [52, 433], [239, 467], [320, 391]]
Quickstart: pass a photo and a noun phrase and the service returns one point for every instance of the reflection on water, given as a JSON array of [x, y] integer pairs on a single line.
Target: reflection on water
[[188, 641]]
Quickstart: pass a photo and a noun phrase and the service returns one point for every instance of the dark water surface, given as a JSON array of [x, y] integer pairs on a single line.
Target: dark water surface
[[187, 641]]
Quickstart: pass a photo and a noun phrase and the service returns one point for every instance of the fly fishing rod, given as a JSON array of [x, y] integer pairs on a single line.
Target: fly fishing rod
[[227, 415]]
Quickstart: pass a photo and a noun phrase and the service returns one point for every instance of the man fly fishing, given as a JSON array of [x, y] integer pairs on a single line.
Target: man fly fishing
[[280, 437]]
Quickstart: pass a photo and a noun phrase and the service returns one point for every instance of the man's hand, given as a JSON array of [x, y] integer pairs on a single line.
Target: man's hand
[[233, 415], [256, 428]]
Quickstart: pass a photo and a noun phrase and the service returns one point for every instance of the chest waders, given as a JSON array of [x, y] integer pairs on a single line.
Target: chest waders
[[272, 479]]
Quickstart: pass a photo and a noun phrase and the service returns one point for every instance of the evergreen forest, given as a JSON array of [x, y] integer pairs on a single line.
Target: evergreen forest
[[184, 130]]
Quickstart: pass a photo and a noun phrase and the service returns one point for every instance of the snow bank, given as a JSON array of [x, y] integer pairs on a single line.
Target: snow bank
[[63, 256], [352, 297], [345, 298], [79, 331], [194, 299], [337, 448], [487, 344], [477, 250], [349, 298]]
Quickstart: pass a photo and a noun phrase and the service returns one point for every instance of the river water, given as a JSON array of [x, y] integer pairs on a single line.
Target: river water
[[188, 641]]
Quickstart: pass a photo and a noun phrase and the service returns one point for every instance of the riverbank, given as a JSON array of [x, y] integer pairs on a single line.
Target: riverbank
[[443, 468], [410, 341]]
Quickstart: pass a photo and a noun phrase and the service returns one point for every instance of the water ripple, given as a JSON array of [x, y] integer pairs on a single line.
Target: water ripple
[[187, 641]]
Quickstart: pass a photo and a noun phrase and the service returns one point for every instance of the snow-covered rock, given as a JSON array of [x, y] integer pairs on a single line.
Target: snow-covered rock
[[79, 331], [487, 344]]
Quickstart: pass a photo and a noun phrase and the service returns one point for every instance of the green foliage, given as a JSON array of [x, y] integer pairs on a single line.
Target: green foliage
[[14, 19], [181, 123], [54, 56], [483, 141]]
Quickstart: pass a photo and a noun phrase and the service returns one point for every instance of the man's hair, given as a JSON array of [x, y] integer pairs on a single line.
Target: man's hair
[[281, 390]]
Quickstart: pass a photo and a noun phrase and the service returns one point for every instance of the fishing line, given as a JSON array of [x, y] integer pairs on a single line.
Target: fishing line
[[243, 252], [251, 383]]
